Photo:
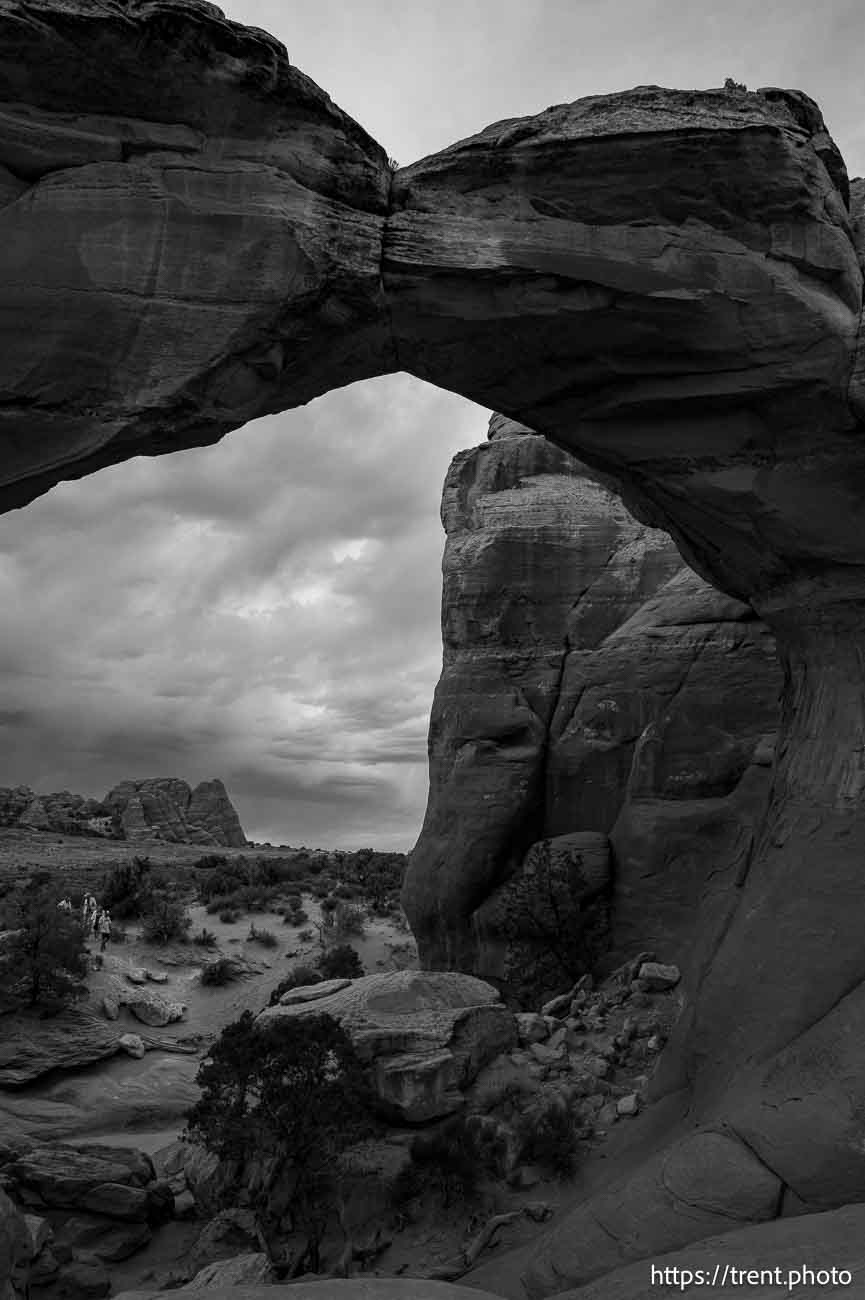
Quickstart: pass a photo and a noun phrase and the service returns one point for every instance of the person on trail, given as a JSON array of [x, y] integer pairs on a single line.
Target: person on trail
[[88, 915], [65, 905], [103, 929]]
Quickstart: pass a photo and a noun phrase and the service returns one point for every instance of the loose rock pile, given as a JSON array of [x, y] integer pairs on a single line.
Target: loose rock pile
[[593, 1048]]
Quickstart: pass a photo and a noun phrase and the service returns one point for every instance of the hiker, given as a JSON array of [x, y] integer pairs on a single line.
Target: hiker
[[103, 929], [65, 905], [88, 915]]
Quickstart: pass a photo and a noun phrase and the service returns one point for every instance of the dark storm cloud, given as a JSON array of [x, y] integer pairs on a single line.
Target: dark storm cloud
[[265, 611]]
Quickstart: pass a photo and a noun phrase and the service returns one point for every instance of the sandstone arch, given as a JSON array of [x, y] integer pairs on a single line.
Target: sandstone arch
[[668, 283]]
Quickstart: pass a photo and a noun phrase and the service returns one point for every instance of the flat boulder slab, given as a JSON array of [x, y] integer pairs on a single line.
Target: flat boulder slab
[[815, 1255], [424, 1035], [105, 1238], [32, 1048], [360, 1288], [105, 1180]]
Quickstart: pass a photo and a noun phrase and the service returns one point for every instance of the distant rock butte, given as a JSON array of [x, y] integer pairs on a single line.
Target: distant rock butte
[[167, 808], [162, 808]]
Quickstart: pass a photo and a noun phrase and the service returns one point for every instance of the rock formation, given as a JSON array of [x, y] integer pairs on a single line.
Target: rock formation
[[597, 698], [67, 813], [666, 283], [423, 1036], [168, 809], [161, 808]]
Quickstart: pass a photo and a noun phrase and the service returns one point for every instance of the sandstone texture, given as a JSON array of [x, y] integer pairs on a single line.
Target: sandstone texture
[[16, 1251], [424, 1035], [667, 284], [598, 697], [361, 1288], [31, 1048], [168, 809], [61, 811], [817, 1243]]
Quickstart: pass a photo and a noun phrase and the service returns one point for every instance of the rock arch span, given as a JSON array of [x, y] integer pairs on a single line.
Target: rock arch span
[[668, 283]]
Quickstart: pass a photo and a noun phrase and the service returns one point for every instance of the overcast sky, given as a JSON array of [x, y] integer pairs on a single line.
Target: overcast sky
[[267, 610]]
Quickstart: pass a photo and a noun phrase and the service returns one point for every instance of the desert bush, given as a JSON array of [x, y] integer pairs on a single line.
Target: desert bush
[[295, 979], [205, 938], [340, 963], [345, 891], [453, 1161], [228, 915], [44, 960], [223, 881], [210, 861], [127, 890], [266, 938], [167, 921], [548, 1134], [348, 919], [287, 1097], [220, 972]]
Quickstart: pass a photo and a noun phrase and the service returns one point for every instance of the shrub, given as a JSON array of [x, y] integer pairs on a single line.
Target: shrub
[[228, 915], [205, 938], [348, 919], [341, 962], [219, 972], [44, 960], [166, 921], [306, 936], [210, 861], [127, 890], [448, 1160], [266, 938], [548, 1134], [287, 1097], [295, 979]]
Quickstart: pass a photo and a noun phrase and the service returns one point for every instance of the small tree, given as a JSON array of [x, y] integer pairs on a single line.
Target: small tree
[[44, 959], [166, 921], [283, 1097], [340, 963]]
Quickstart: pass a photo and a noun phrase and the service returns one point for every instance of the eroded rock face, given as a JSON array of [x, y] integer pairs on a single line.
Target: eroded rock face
[[667, 283], [539, 556], [16, 1250], [423, 1035], [652, 699], [169, 809]]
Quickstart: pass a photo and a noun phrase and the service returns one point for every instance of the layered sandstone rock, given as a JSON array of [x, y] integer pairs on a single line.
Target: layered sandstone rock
[[169, 809], [652, 699], [537, 552], [667, 283], [424, 1035]]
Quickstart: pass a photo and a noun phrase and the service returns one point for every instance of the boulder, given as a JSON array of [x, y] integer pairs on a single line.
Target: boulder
[[424, 1035], [31, 1048], [242, 1270], [654, 976], [66, 1176], [104, 1237], [531, 1028], [132, 1045], [151, 1009]]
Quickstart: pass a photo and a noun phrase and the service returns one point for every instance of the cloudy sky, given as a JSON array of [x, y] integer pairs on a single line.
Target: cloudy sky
[[267, 610]]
